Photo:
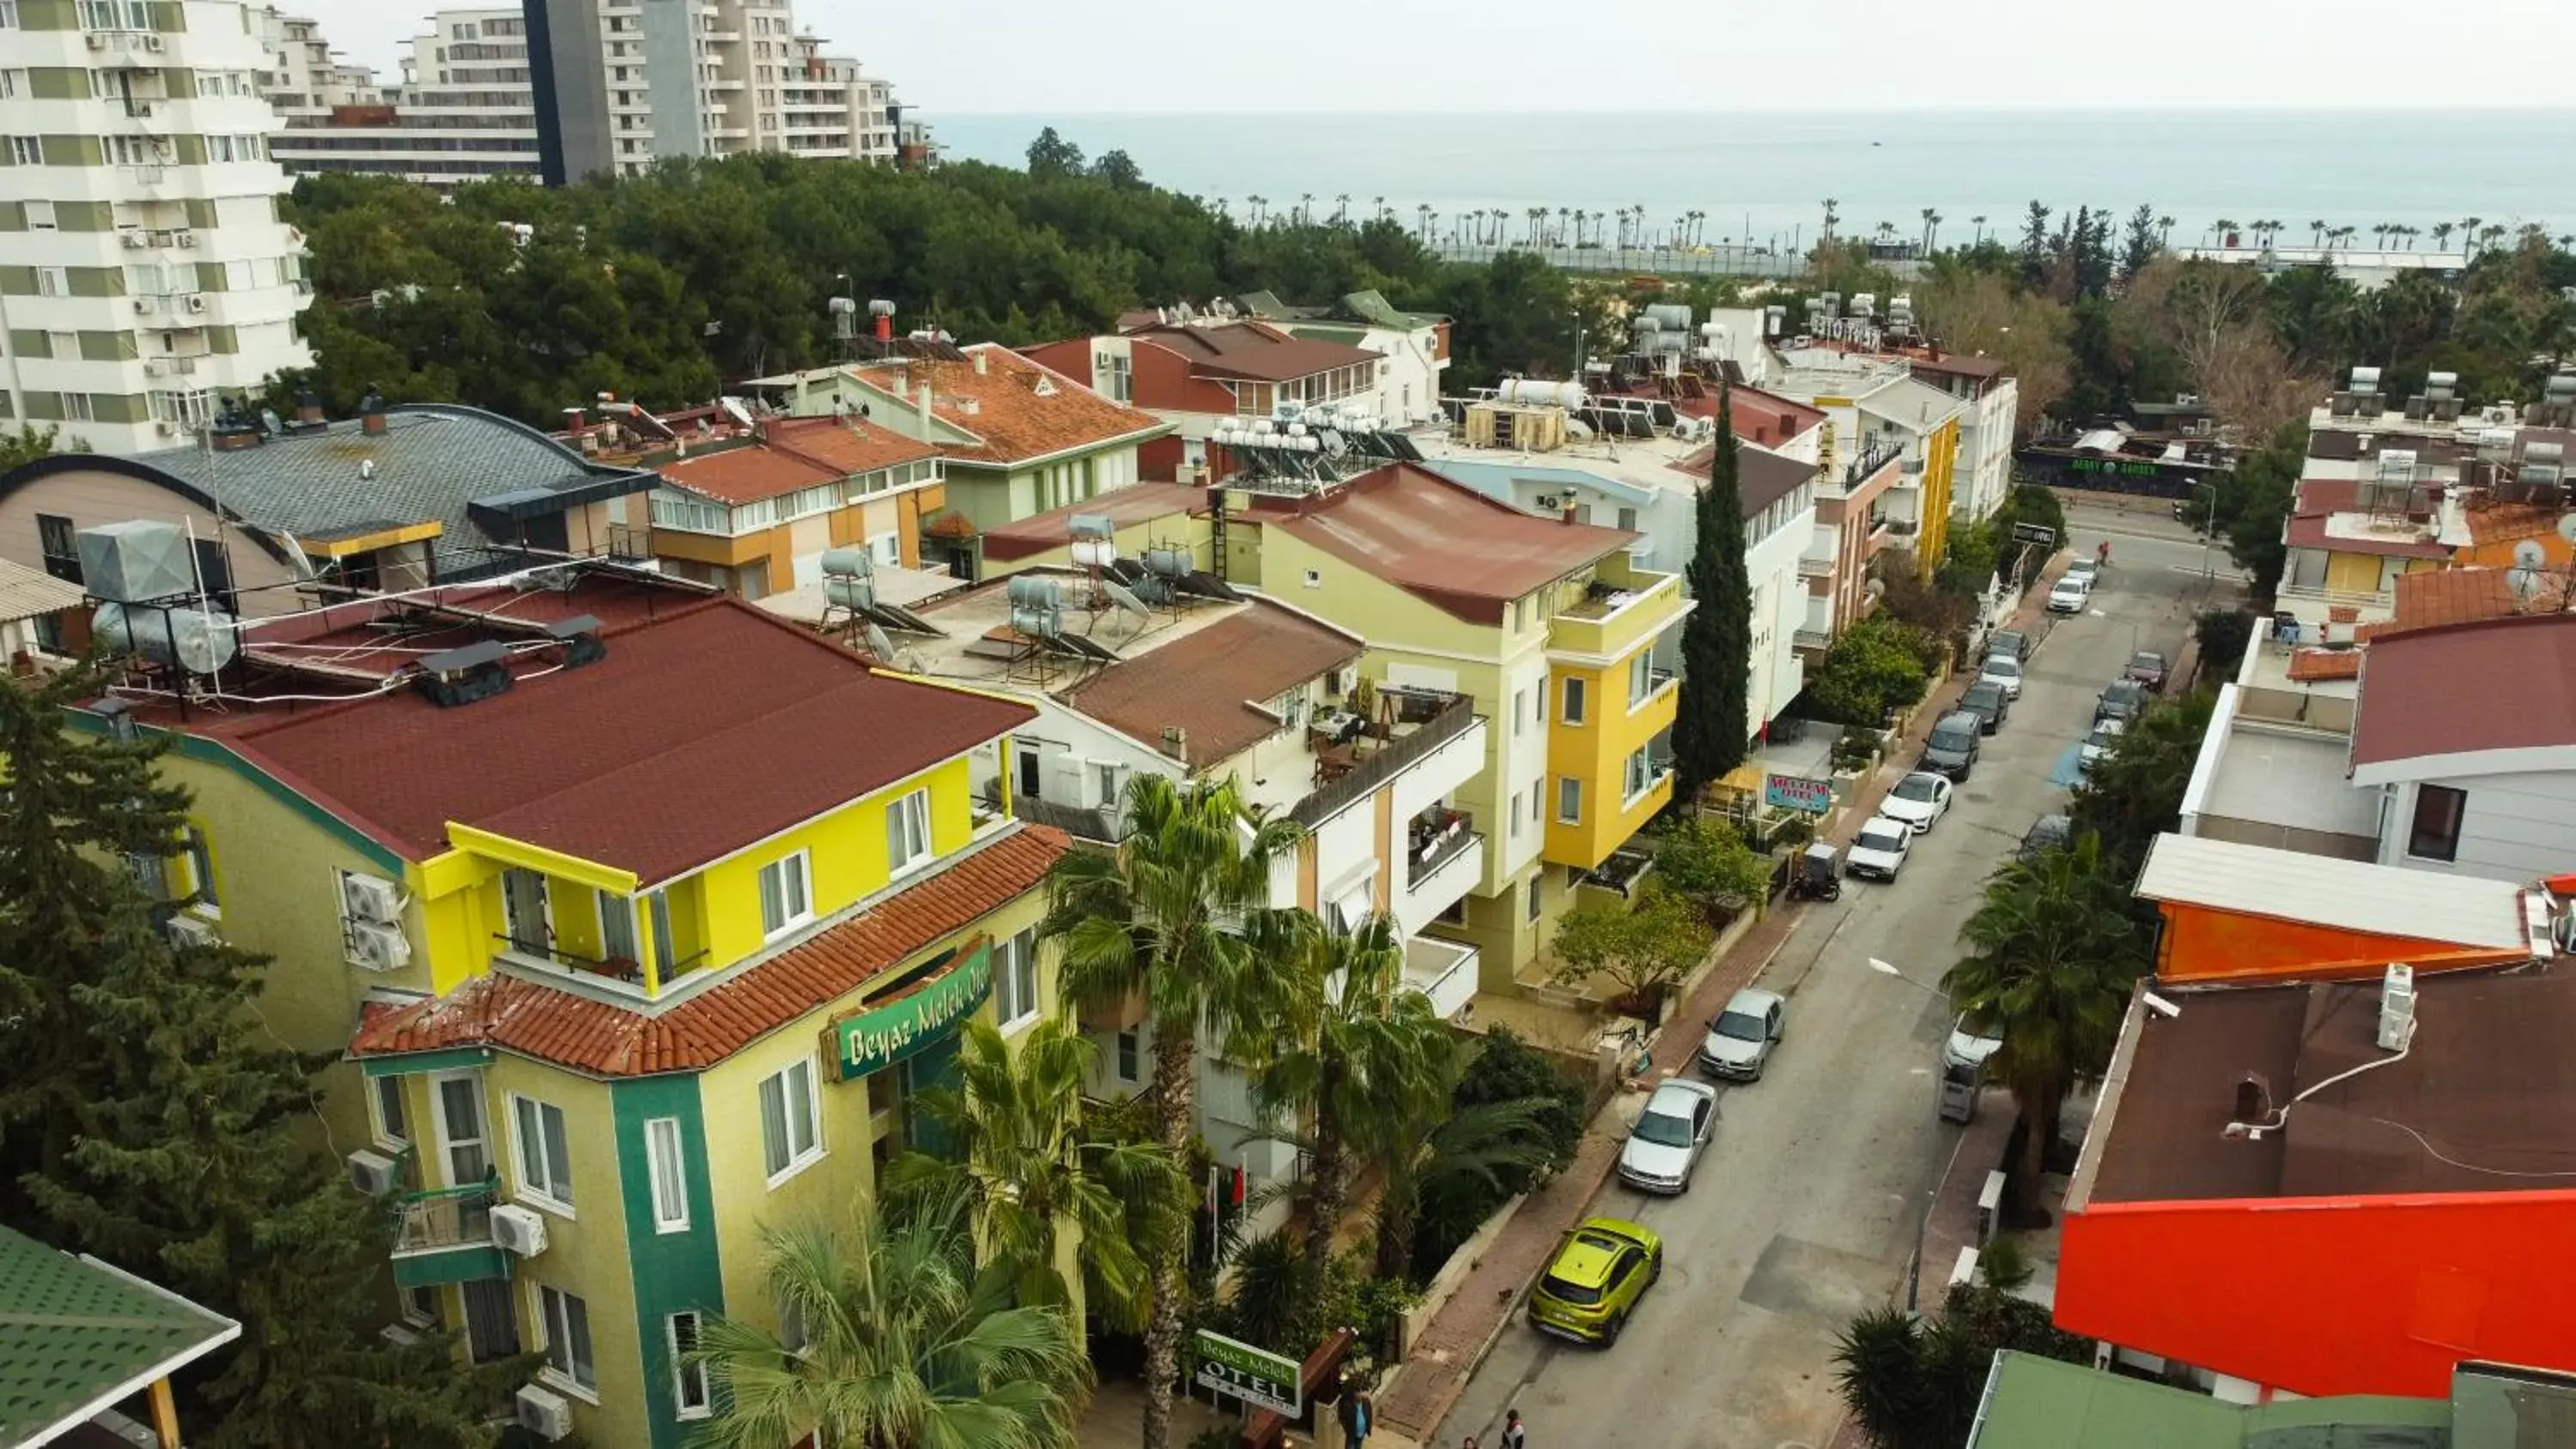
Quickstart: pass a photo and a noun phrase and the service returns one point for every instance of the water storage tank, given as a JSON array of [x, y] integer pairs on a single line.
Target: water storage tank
[[199, 641], [1037, 606], [1531, 392], [1670, 317], [138, 560]]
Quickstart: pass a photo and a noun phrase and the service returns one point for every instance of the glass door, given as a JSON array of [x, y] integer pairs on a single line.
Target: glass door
[[460, 1128], [491, 1323]]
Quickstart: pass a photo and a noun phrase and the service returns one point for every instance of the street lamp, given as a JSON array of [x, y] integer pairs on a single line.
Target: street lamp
[[1889, 968], [1932, 1194]]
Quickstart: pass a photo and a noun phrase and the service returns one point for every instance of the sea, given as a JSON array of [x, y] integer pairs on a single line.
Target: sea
[[1763, 178]]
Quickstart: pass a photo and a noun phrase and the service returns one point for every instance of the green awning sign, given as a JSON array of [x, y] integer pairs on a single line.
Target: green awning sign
[[1255, 1375], [880, 1036]]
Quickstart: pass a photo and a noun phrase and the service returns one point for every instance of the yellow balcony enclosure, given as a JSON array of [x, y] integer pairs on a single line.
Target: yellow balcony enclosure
[[1609, 749]]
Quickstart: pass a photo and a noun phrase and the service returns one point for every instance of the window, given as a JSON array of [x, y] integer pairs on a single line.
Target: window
[[617, 927], [688, 1380], [663, 1165], [1640, 774], [2436, 832], [115, 15], [1641, 678], [1108, 781], [393, 1122], [545, 1150], [8, 14], [200, 885], [887, 549], [40, 216], [78, 407], [1569, 799], [786, 894], [790, 1136], [26, 151], [657, 914], [908, 832], [1537, 896], [1575, 705], [1537, 797], [53, 282], [460, 1116], [1516, 815], [1015, 982], [1127, 1053], [420, 1306], [567, 1329]]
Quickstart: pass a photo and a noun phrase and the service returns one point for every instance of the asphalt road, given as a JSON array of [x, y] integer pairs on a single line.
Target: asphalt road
[[1807, 1206]]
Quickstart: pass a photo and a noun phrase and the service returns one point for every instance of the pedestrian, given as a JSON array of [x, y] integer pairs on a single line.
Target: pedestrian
[[1470, 1443], [1514, 1436]]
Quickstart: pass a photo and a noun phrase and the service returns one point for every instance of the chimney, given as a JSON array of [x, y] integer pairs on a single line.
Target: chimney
[[1569, 513], [308, 410], [925, 412], [982, 367], [1176, 743], [371, 411]]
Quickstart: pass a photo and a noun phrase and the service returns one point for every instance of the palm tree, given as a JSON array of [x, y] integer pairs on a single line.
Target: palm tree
[[1979, 239], [2052, 954], [1031, 1175], [1831, 216], [1931, 220], [2469, 235], [2316, 234], [1466, 1155], [900, 1345], [1259, 205], [1174, 915], [1371, 1070], [1306, 209], [2442, 234], [2164, 230]]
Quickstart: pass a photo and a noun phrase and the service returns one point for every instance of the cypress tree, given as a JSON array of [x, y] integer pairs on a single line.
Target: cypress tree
[[152, 1119], [1717, 641]]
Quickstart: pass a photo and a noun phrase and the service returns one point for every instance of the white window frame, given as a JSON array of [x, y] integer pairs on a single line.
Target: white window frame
[[684, 1375], [1569, 787], [886, 549], [814, 1150], [550, 1334], [794, 868], [910, 813], [1641, 679], [1127, 1055], [1578, 704], [1015, 984], [199, 857], [666, 1172], [1638, 775], [385, 1135], [536, 1192], [481, 1141]]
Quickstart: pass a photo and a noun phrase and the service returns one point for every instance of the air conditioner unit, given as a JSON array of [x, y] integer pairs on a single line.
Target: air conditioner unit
[[154, 43], [97, 41], [140, 110], [399, 1335], [1345, 679], [156, 367], [196, 302], [370, 898], [134, 241], [371, 1173], [519, 1229], [374, 947], [169, 427], [544, 1413], [143, 306], [184, 930], [187, 239]]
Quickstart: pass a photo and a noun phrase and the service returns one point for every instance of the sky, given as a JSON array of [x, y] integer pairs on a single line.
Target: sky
[[1072, 57]]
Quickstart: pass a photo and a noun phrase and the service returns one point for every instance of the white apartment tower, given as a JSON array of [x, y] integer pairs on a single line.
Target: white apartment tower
[[465, 107], [145, 275]]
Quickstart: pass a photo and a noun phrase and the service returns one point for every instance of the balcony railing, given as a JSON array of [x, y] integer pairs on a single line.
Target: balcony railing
[[617, 971], [1811, 639], [1443, 971], [1398, 755], [444, 1218], [2337, 598], [629, 542], [1870, 460], [1657, 681], [1815, 568], [1433, 843]]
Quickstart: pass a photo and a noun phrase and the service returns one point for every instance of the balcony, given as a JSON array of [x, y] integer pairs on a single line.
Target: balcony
[[1350, 775], [445, 1236], [1434, 840], [1443, 971], [2318, 598], [1810, 567], [1444, 858], [616, 978], [1814, 641], [1657, 682], [1621, 608]]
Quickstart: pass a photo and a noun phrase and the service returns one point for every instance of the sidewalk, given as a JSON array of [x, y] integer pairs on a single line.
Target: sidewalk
[[1435, 1372]]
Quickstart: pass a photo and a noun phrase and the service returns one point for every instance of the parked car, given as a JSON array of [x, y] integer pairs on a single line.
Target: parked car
[[2121, 699], [2011, 643], [1987, 701], [1666, 1142], [1593, 1283], [1952, 748], [1739, 1041], [2098, 743], [2086, 567], [2003, 673], [2067, 596], [1879, 850], [2045, 833], [1919, 800], [2148, 668]]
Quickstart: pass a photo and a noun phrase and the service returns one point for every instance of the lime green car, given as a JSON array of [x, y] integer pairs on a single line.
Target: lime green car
[[1595, 1280]]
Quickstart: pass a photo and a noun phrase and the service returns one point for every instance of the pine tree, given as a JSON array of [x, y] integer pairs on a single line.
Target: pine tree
[[156, 1123], [1717, 641]]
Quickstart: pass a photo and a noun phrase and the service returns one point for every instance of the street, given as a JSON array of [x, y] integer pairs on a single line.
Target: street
[[1808, 1204]]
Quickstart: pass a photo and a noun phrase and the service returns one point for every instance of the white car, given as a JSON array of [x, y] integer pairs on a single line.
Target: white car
[[1879, 850], [1920, 800], [1666, 1142], [2084, 567], [2097, 744], [2002, 672], [1739, 1041], [2067, 595]]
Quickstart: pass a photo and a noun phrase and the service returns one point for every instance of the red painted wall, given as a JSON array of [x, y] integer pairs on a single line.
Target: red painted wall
[[1163, 381], [2330, 1296], [2210, 945], [1072, 357], [1160, 459]]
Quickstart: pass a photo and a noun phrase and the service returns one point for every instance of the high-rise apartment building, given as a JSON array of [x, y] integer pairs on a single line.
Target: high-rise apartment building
[[145, 275], [463, 109]]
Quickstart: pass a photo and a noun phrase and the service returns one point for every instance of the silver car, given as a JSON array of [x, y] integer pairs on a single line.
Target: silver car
[[1666, 1142], [1739, 1042]]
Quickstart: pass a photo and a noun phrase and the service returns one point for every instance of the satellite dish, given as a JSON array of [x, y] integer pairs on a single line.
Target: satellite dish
[[2528, 554], [2567, 528], [1126, 601], [879, 645]]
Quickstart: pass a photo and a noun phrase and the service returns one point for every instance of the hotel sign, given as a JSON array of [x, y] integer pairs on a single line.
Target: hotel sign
[[1797, 792], [877, 1037], [1257, 1376]]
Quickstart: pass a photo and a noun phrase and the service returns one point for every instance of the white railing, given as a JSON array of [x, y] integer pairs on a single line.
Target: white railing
[[1443, 971]]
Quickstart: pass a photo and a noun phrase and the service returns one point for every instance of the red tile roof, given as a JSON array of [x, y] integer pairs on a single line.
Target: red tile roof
[[515, 1014], [1441, 541], [795, 454], [728, 724], [2506, 522], [1016, 409], [1123, 507], [1215, 683], [2309, 666], [2310, 530], [2497, 684], [2434, 597], [1254, 350]]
